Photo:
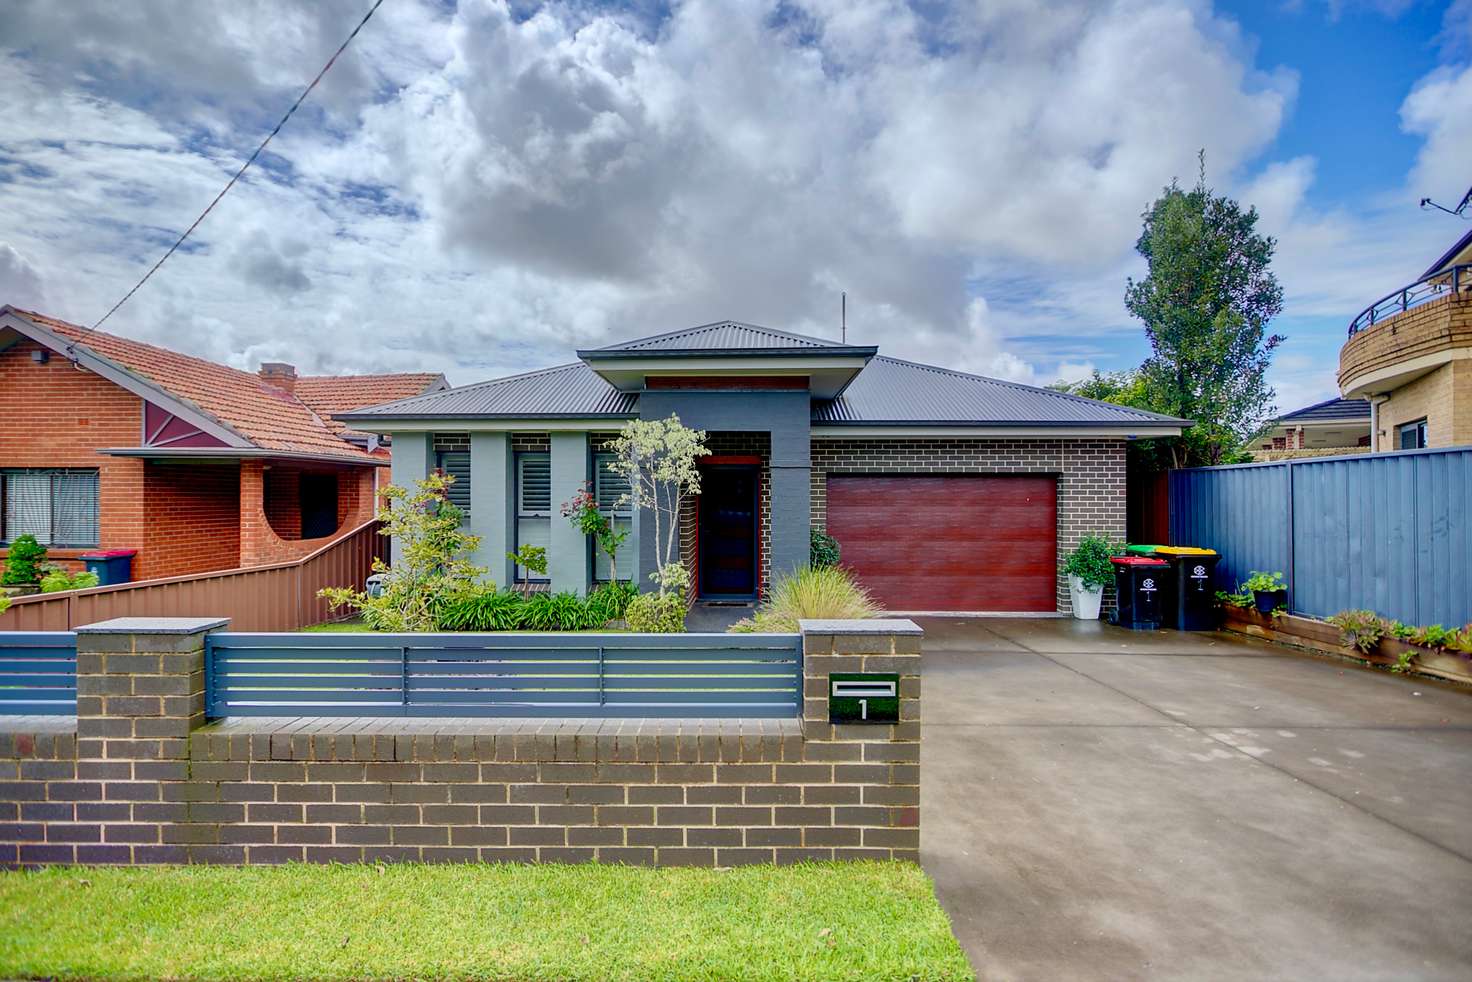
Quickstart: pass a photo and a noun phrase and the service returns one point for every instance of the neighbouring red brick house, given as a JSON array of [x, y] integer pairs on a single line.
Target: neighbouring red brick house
[[110, 443]]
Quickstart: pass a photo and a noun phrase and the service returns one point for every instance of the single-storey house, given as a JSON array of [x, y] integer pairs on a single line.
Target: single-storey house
[[1332, 426], [946, 491], [111, 443]]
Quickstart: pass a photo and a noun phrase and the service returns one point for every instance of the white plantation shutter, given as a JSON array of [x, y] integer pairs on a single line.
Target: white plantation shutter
[[533, 505], [609, 487]]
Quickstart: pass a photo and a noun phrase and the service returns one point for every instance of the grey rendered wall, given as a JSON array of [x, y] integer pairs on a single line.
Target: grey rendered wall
[[492, 510], [1388, 532], [785, 415], [410, 463]]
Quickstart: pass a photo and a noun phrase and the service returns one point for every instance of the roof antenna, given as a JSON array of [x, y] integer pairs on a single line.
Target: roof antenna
[[1457, 212], [843, 316]]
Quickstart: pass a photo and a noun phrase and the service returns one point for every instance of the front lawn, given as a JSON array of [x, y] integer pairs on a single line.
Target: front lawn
[[811, 921]]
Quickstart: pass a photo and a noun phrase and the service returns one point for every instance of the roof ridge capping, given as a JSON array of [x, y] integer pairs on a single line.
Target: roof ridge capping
[[651, 342], [1041, 389]]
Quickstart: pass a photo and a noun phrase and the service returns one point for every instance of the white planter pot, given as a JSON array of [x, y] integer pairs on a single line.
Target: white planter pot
[[1085, 599]]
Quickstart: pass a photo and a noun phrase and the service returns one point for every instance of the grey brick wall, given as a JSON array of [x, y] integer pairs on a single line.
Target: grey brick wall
[[143, 781], [1091, 476]]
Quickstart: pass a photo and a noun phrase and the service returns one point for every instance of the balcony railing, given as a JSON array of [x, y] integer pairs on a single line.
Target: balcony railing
[[1447, 282]]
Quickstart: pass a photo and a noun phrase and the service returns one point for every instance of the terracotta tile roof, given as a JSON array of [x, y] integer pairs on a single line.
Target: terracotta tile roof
[[269, 417], [328, 394]]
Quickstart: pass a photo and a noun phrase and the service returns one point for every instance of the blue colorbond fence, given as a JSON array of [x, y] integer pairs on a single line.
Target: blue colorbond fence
[[1388, 532], [38, 673], [614, 675]]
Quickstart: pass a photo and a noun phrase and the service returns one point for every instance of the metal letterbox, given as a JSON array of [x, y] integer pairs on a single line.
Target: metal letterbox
[[863, 697]]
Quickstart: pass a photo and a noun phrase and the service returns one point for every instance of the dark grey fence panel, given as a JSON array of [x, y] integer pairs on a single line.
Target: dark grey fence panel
[[615, 675], [1389, 532], [1241, 512], [38, 673]]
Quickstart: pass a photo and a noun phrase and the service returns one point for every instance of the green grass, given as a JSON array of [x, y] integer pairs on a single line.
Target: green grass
[[810, 921]]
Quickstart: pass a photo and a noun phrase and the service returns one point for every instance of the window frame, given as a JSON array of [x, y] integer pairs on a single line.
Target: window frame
[[614, 515], [1416, 426], [457, 486], [52, 473], [520, 459]]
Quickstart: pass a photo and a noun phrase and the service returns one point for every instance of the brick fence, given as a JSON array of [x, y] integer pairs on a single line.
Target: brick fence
[[144, 778]]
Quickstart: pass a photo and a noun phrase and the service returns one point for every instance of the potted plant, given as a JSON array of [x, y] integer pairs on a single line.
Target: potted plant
[[1089, 572], [1268, 590]]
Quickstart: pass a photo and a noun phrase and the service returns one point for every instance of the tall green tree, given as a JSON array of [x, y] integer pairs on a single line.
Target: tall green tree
[[1206, 303]]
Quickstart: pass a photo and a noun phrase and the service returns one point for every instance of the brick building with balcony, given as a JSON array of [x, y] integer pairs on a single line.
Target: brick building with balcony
[[1410, 355], [114, 444]]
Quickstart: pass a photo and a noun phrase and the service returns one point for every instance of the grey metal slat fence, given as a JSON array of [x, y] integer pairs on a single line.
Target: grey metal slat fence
[[38, 673], [1390, 532], [614, 675]]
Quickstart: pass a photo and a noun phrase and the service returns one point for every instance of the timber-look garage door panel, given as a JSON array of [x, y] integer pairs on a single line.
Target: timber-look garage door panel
[[951, 542]]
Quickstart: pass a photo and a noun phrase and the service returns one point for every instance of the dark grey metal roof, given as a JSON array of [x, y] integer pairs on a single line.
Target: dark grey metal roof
[[899, 392], [886, 392], [720, 336], [1354, 410], [565, 391]]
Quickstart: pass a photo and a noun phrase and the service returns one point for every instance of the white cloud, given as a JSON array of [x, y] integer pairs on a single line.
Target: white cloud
[[479, 190]]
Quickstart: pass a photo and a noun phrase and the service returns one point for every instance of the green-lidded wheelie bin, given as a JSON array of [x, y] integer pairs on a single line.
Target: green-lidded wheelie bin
[[1138, 584], [1190, 598], [1140, 549]]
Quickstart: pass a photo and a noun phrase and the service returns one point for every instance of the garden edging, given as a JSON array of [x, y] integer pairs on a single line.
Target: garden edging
[[1306, 632]]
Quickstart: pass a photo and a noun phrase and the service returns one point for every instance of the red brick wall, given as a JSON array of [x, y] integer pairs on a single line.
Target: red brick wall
[[56, 415], [283, 502], [260, 542], [193, 519]]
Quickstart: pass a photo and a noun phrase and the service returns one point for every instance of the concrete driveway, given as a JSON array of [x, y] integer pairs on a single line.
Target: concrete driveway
[[1101, 803]]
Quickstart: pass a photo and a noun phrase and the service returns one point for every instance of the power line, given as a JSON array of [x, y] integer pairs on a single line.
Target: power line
[[71, 348]]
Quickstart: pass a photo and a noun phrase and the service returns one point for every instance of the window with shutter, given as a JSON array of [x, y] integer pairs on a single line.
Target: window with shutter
[[610, 489], [533, 506], [58, 507], [456, 464]]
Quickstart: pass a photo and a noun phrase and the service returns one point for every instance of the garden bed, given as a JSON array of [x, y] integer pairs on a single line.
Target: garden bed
[[810, 921], [1306, 632]]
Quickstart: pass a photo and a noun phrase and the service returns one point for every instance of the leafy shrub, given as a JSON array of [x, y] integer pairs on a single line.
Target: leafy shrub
[[1361, 629], [810, 593], [1399, 631], [4, 603], [1434, 636], [825, 550], [57, 579], [1089, 561], [23, 564], [538, 614], [1260, 582], [487, 609], [568, 612], [433, 567], [609, 602], [657, 613]]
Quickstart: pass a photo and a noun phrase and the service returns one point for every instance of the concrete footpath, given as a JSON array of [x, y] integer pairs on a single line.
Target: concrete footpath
[[1106, 804]]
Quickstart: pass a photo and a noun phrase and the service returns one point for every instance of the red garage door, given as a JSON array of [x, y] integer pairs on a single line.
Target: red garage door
[[949, 543]]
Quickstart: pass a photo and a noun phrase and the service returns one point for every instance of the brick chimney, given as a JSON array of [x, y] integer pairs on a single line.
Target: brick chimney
[[279, 374]]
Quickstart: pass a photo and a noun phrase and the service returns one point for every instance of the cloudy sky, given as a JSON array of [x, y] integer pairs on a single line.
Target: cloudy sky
[[478, 188]]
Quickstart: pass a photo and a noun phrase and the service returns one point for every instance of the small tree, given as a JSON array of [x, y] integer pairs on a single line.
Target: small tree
[[432, 567], [583, 512], [659, 459]]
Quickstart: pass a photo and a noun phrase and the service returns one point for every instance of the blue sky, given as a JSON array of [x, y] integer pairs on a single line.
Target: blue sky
[[479, 189]]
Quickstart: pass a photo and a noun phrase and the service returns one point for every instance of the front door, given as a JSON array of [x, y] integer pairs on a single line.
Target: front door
[[727, 531]]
